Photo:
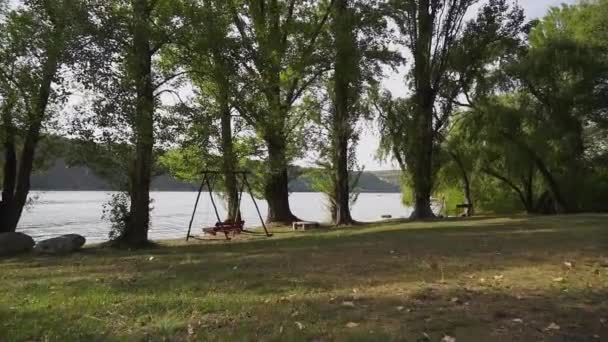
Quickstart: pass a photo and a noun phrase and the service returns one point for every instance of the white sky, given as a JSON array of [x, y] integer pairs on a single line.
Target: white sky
[[368, 144]]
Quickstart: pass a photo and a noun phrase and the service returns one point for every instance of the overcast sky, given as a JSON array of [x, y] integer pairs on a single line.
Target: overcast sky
[[368, 144]]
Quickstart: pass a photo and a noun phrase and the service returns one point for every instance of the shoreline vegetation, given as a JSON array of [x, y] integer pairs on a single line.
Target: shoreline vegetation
[[516, 278]]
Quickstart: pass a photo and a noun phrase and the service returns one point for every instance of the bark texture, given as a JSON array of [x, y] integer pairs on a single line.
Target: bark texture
[[276, 188], [423, 138], [136, 233], [229, 161], [345, 71]]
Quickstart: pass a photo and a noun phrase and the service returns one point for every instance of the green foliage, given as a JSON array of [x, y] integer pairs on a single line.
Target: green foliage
[[185, 163], [407, 194], [117, 212], [447, 199], [323, 180], [494, 197]]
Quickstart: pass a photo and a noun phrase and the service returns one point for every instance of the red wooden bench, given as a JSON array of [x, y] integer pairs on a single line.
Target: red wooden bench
[[226, 227]]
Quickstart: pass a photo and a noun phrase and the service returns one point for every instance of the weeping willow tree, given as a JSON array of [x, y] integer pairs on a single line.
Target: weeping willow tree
[[446, 52]]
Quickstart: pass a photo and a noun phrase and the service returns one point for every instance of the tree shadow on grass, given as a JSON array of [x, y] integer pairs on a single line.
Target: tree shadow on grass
[[385, 253], [467, 315]]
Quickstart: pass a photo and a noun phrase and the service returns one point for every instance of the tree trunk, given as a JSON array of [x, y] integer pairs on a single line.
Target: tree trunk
[[529, 189], [276, 188], [229, 162], [342, 192], [421, 142], [136, 233], [528, 205], [13, 207], [7, 217], [561, 205], [345, 65], [8, 220], [466, 183]]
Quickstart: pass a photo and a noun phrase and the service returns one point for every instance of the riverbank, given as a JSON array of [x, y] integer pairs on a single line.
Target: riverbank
[[47, 217], [508, 279]]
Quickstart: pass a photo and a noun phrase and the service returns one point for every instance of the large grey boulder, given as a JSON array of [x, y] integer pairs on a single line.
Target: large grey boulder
[[61, 245], [15, 243]]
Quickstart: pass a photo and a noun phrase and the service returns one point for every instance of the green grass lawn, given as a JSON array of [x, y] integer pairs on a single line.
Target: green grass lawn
[[483, 279]]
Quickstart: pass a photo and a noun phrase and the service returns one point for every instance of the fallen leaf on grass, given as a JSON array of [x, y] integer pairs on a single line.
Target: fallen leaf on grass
[[349, 304], [558, 280], [499, 277], [518, 320], [455, 300], [352, 325], [448, 338], [552, 326], [151, 258], [281, 330], [400, 308], [299, 325]]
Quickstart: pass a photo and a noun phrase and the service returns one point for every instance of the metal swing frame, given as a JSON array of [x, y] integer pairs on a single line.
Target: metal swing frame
[[221, 226]]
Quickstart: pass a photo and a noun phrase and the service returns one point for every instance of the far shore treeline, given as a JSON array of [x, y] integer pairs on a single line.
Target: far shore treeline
[[496, 113], [61, 177]]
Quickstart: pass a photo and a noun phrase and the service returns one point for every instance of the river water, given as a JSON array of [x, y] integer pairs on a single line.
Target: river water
[[55, 213]]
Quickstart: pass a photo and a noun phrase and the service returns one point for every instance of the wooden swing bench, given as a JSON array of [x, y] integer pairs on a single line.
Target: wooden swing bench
[[226, 227], [231, 226]]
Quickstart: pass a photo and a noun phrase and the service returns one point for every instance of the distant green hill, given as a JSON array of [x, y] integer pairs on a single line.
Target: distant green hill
[[368, 182], [80, 178], [390, 176]]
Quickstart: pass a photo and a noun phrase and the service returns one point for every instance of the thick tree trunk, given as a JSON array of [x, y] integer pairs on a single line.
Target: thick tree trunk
[[421, 141], [342, 192], [276, 189], [561, 206], [136, 233], [422, 165], [8, 219], [345, 66], [229, 163]]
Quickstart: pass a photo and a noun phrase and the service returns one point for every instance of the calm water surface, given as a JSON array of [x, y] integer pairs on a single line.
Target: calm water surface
[[61, 212]]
